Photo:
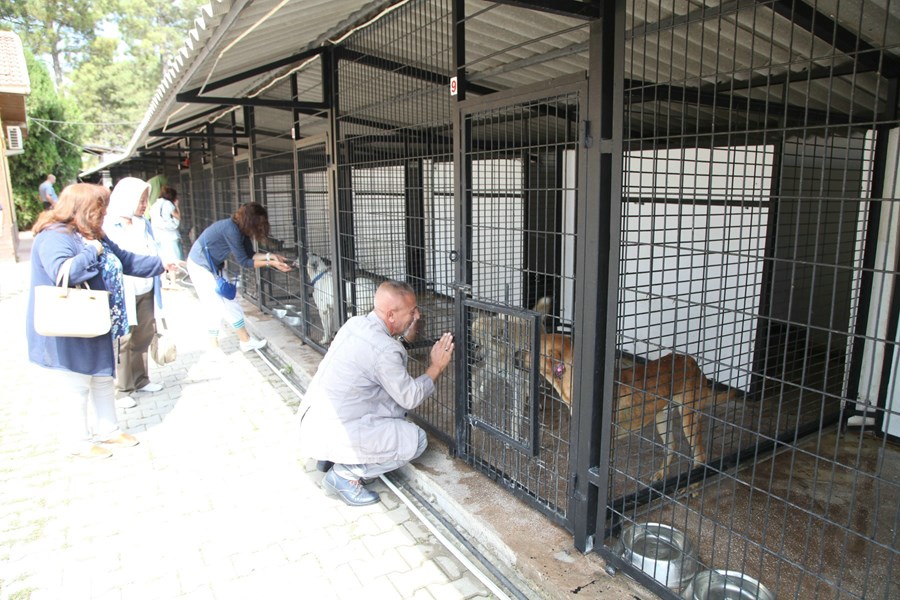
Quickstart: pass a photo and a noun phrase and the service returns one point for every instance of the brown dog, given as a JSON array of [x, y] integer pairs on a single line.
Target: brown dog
[[509, 337], [650, 391], [644, 392], [555, 364]]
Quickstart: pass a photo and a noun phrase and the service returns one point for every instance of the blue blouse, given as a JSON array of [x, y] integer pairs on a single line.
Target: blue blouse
[[224, 239], [51, 248]]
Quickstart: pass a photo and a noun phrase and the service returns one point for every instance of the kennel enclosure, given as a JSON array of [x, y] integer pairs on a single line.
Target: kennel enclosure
[[713, 180]]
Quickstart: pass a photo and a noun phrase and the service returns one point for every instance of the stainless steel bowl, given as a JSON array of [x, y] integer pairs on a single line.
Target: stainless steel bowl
[[725, 585], [662, 552], [290, 307], [279, 312], [293, 321]]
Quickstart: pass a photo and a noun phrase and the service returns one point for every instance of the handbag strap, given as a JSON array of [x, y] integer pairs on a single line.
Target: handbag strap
[[62, 277], [212, 267]]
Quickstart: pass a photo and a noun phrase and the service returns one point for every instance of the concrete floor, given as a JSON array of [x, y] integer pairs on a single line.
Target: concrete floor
[[816, 521]]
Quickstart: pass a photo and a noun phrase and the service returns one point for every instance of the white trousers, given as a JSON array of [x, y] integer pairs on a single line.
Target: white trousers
[[88, 407], [215, 306]]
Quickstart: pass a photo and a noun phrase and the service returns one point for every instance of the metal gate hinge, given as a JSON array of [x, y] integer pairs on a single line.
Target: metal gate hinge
[[465, 287], [586, 137]]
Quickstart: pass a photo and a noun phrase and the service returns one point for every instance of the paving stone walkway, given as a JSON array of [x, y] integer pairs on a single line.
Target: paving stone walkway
[[214, 504]]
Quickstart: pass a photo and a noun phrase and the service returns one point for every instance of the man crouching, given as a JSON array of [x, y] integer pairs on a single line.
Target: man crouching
[[354, 412]]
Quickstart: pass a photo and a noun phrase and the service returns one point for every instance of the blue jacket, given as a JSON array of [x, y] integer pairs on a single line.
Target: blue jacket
[[89, 356], [223, 238]]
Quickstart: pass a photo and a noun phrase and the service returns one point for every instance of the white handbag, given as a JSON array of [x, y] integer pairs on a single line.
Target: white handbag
[[162, 347], [61, 311]]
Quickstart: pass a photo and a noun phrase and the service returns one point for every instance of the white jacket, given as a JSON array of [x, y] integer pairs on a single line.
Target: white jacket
[[354, 411], [131, 233], [165, 225]]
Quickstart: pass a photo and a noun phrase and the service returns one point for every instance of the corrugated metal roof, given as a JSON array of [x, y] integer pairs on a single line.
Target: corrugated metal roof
[[713, 47], [13, 71], [235, 36]]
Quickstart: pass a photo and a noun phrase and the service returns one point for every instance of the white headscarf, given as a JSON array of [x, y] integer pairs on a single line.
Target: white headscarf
[[130, 233], [124, 199]]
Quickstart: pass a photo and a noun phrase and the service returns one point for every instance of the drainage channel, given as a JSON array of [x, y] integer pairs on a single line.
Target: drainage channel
[[498, 584]]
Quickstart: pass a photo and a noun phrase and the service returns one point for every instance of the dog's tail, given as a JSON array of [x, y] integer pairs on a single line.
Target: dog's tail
[[544, 305]]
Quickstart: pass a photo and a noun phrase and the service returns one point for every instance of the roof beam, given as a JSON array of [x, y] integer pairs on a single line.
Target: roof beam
[[694, 96], [192, 134], [310, 108], [237, 78], [200, 115], [826, 29], [567, 8], [407, 70]]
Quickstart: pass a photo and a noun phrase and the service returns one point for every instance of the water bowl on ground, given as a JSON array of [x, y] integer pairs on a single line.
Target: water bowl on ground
[[725, 585], [293, 321], [279, 312], [661, 551], [290, 307]]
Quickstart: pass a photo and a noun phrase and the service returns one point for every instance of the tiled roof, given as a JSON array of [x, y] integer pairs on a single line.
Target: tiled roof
[[13, 72]]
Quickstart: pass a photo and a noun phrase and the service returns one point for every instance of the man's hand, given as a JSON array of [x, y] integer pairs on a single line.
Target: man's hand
[[441, 355]]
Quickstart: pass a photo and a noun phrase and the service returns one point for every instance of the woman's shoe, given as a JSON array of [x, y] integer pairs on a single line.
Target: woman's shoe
[[126, 402], [252, 344], [123, 440], [92, 452]]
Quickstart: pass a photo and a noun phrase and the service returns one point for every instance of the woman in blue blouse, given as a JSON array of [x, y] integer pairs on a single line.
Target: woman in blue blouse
[[230, 237], [84, 369]]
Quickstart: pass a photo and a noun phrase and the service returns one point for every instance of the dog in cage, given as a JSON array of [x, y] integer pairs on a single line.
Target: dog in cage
[[655, 390], [499, 343], [645, 392], [649, 392], [322, 282], [495, 334]]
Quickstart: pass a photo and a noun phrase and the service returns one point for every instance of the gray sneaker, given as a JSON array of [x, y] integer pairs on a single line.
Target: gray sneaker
[[351, 491]]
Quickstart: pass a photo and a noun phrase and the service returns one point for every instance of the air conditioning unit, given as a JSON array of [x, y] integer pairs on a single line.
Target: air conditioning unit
[[15, 144]]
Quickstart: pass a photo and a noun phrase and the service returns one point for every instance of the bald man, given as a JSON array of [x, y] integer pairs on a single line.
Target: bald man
[[354, 412], [47, 192]]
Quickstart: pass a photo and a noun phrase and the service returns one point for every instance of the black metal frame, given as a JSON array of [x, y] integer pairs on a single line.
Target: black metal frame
[[732, 111]]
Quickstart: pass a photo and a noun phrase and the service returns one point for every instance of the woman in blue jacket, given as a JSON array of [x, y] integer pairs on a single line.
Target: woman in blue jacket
[[223, 239], [84, 369]]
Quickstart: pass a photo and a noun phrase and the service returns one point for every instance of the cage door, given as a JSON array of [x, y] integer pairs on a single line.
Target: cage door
[[502, 354]]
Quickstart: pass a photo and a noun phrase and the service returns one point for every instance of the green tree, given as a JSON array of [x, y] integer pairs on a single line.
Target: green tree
[[53, 144], [110, 79], [154, 30], [60, 29], [117, 85], [113, 93]]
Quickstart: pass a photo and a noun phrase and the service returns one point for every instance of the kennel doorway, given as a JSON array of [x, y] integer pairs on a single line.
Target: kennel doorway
[[521, 174], [314, 218]]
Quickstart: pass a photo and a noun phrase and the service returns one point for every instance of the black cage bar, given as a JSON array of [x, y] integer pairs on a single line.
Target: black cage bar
[[665, 237]]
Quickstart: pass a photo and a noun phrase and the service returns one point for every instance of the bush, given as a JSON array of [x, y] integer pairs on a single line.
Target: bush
[[28, 207]]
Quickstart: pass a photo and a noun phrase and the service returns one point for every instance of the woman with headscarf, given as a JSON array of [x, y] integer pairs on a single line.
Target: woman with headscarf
[[231, 237], [83, 369], [124, 225]]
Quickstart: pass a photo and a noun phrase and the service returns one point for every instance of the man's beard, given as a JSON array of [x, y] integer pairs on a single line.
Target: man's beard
[[410, 333]]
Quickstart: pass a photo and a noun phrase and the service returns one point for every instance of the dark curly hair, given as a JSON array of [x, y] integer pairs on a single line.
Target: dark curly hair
[[253, 221]]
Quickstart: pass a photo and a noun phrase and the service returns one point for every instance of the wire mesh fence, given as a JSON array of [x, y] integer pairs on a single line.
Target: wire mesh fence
[[754, 404]]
